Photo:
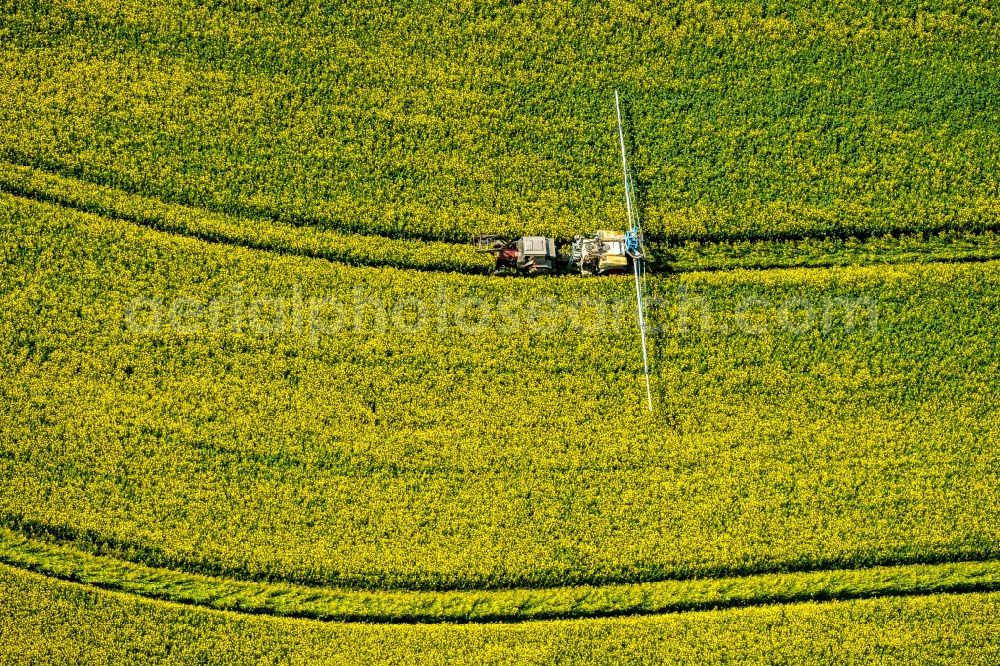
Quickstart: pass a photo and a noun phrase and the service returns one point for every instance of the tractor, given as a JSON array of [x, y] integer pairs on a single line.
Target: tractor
[[528, 255], [599, 253]]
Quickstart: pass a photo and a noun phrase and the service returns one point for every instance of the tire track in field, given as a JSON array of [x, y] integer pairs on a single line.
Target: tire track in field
[[360, 260], [663, 251], [139, 554], [242, 210], [494, 606], [460, 238], [228, 240], [694, 596]]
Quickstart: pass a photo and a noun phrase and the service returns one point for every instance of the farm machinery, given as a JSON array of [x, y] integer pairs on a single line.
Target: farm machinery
[[528, 255], [602, 253], [599, 253]]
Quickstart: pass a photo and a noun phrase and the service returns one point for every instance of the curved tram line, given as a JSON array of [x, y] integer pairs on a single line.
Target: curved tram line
[[493, 606]]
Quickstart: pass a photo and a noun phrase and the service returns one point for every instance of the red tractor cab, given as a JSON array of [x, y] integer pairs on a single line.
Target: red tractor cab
[[528, 255]]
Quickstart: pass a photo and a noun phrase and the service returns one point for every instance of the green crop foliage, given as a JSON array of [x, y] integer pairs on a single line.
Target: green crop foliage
[[368, 250], [257, 233], [749, 120], [382, 457], [482, 606], [260, 400], [49, 621]]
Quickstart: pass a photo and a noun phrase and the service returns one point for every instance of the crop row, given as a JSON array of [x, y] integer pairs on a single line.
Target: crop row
[[258, 233], [50, 621], [397, 429], [827, 252], [747, 121], [362, 250], [585, 601]]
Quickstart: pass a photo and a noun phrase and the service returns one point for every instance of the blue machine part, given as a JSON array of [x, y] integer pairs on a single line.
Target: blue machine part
[[633, 243]]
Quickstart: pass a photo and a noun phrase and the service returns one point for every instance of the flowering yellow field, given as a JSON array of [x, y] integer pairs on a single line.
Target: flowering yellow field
[[233, 412], [430, 120], [258, 392]]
